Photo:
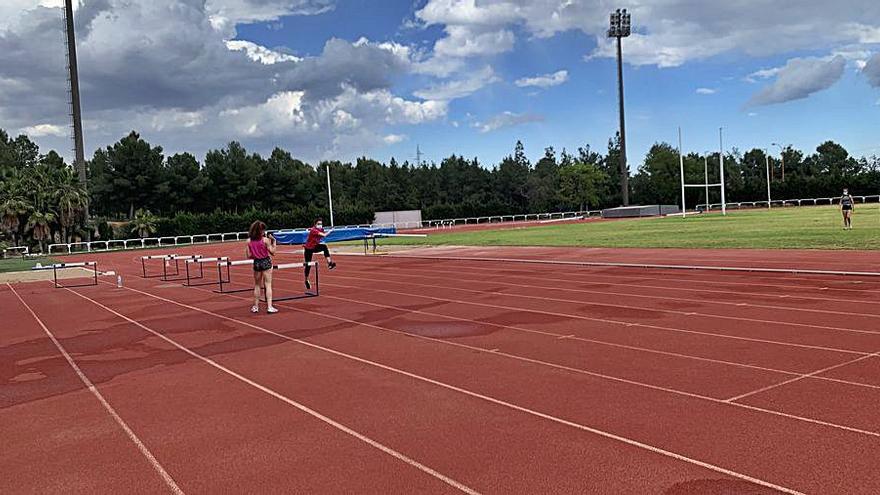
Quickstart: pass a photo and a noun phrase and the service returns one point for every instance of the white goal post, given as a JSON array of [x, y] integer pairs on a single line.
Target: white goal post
[[705, 185]]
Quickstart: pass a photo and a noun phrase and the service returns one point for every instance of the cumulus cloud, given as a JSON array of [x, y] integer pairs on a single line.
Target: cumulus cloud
[[459, 88], [259, 53], [187, 83], [507, 119], [394, 138], [41, 130], [706, 91], [800, 78], [544, 81], [871, 70], [673, 32], [225, 14]]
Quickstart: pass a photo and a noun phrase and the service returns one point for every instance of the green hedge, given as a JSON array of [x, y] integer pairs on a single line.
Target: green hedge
[[220, 222]]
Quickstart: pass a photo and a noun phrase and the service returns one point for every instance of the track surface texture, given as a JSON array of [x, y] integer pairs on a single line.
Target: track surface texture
[[419, 373]]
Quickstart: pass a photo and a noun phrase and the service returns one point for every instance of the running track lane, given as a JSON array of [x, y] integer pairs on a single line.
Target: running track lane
[[210, 430], [660, 371], [752, 348], [817, 305], [756, 442], [498, 450], [687, 316], [49, 445]]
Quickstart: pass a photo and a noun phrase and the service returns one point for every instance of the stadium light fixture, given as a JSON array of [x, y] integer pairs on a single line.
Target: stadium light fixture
[[621, 27]]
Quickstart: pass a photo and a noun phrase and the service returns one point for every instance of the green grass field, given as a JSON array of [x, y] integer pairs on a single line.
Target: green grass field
[[783, 228], [20, 265]]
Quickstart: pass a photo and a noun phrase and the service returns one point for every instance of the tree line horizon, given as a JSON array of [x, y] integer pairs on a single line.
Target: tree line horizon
[[133, 174]]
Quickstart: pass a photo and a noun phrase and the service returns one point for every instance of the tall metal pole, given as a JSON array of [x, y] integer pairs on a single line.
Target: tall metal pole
[[330, 196], [782, 158], [624, 171], [706, 176], [767, 160], [721, 160], [75, 108], [681, 167], [621, 27]]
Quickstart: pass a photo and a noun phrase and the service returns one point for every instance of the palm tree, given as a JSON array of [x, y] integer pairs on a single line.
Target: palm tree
[[144, 223], [13, 205], [70, 200], [40, 225]]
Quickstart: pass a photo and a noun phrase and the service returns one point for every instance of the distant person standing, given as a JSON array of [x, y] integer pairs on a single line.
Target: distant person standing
[[847, 205], [313, 245], [261, 248]]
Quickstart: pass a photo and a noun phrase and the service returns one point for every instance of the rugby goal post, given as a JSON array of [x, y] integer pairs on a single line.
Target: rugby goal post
[[705, 185]]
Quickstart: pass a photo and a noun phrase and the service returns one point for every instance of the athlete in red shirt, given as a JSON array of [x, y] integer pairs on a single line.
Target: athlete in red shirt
[[313, 245]]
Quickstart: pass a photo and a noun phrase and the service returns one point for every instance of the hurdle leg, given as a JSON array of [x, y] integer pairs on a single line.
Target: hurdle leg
[[317, 281], [55, 275], [144, 266], [96, 273]]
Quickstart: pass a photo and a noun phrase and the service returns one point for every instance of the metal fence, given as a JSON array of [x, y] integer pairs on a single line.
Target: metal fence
[[184, 240], [789, 202]]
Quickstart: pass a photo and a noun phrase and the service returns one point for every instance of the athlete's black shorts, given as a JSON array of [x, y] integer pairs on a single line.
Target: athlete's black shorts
[[262, 264], [320, 248], [846, 207]]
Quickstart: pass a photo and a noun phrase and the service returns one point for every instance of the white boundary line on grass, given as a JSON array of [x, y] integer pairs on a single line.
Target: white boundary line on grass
[[602, 433], [169, 481], [311, 412]]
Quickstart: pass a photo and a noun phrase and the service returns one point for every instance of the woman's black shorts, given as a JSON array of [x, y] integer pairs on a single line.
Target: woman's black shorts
[[847, 207], [262, 264]]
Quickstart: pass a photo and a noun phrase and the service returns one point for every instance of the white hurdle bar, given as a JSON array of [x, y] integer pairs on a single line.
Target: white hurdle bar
[[373, 237], [316, 288], [226, 263], [228, 280], [62, 266], [201, 262], [165, 259]]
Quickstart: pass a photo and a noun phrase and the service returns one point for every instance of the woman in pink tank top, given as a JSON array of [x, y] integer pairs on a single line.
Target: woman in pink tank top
[[261, 248]]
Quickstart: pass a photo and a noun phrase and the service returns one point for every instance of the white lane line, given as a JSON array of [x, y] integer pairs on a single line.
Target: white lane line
[[602, 433], [373, 443], [545, 363], [602, 320], [169, 481], [610, 344], [809, 375], [634, 281], [657, 310]]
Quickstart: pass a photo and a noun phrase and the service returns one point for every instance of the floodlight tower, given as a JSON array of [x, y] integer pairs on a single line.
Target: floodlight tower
[[75, 109], [621, 27]]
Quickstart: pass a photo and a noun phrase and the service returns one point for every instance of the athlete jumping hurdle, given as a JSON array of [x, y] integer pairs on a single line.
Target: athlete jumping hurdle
[[313, 245]]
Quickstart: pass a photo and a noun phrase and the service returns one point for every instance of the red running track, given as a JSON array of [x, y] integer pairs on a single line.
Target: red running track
[[433, 376]]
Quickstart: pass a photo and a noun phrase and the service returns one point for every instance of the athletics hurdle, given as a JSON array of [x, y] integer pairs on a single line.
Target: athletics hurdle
[[314, 292], [201, 262], [62, 266], [166, 258], [220, 280], [375, 236]]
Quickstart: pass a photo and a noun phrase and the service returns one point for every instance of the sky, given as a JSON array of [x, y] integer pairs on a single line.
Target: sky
[[338, 79]]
